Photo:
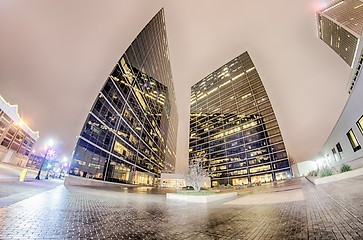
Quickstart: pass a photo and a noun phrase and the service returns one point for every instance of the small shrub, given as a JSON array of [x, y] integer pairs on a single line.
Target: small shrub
[[240, 187], [345, 168], [326, 172], [250, 184], [313, 173]]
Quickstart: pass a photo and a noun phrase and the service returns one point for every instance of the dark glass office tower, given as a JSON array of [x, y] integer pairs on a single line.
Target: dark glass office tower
[[340, 26], [130, 133], [233, 127]]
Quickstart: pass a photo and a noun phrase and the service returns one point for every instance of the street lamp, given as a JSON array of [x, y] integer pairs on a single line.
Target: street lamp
[[48, 147]]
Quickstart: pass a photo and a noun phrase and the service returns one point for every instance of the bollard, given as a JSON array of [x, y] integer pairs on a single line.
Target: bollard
[[22, 175]]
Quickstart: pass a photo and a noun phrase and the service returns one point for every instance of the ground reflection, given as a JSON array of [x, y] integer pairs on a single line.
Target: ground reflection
[[145, 213]]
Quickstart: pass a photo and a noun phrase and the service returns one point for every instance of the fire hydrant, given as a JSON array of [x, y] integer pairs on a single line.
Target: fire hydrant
[[22, 175]]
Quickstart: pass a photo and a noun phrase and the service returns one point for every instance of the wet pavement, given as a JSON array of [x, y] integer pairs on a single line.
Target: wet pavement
[[330, 211], [12, 190]]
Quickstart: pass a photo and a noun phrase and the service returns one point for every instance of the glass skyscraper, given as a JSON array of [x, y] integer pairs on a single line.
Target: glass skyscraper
[[340, 26], [129, 135], [233, 127]]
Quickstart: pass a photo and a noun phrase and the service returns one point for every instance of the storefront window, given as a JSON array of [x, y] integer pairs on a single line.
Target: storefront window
[[262, 178], [282, 175], [239, 181]]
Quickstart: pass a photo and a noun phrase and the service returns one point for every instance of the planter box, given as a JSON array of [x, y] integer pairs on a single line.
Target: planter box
[[70, 180], [200, 199], [340, 176]]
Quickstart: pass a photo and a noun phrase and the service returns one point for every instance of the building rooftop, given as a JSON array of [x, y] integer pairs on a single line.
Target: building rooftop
[[349, 13], [12, 112]]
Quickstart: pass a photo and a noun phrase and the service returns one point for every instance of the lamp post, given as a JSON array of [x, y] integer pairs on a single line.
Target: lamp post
[[48, 169], [50, 143]]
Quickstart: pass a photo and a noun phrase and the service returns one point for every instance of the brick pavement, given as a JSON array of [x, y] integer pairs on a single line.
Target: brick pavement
[[12, 191], [88, 213], [347, 193]]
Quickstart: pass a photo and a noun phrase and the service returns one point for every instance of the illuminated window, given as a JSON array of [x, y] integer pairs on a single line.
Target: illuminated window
[[282, 175], [216, 174], [133, 140], [80, 162], [224, 167], [353, 140], [217, 161], [121, 149], [239, 181], [127, 114], [360, 124], [260, 168], [246, 96], [215, 184], [141, 99], [239, 172], [252, 161], [262, 178]]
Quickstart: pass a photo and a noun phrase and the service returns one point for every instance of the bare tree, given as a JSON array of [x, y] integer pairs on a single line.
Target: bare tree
[[291, 159], [196, 173]]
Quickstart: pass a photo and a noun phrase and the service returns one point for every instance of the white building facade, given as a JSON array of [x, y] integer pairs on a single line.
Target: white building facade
[[16, 138], [344, 145]]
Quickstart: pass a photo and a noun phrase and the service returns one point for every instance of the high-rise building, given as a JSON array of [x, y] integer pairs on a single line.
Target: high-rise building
[[17, 139], [130, 133], [233, 127], [340, 26]]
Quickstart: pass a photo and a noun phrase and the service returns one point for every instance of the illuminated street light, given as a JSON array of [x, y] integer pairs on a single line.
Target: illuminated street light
[[49, 150], [51, 154]]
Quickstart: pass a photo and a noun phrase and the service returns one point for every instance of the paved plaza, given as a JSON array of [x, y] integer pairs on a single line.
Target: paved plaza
[[295, 209], [13, 191]]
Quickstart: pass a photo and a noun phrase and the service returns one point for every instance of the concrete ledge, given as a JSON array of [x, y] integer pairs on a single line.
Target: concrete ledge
[[200, 199], [71, 180], [310, 179], [338, 177]]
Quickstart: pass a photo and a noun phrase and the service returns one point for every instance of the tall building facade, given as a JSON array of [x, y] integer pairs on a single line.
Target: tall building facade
[[16, 138], [233, 127], [340, 26], [130, 133], [344, 144]]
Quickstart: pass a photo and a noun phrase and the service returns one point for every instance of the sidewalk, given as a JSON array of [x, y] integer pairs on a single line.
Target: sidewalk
[[12, 191], [10, 173]]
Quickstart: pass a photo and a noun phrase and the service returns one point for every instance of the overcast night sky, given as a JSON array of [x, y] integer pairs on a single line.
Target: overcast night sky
[[56, 55]]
